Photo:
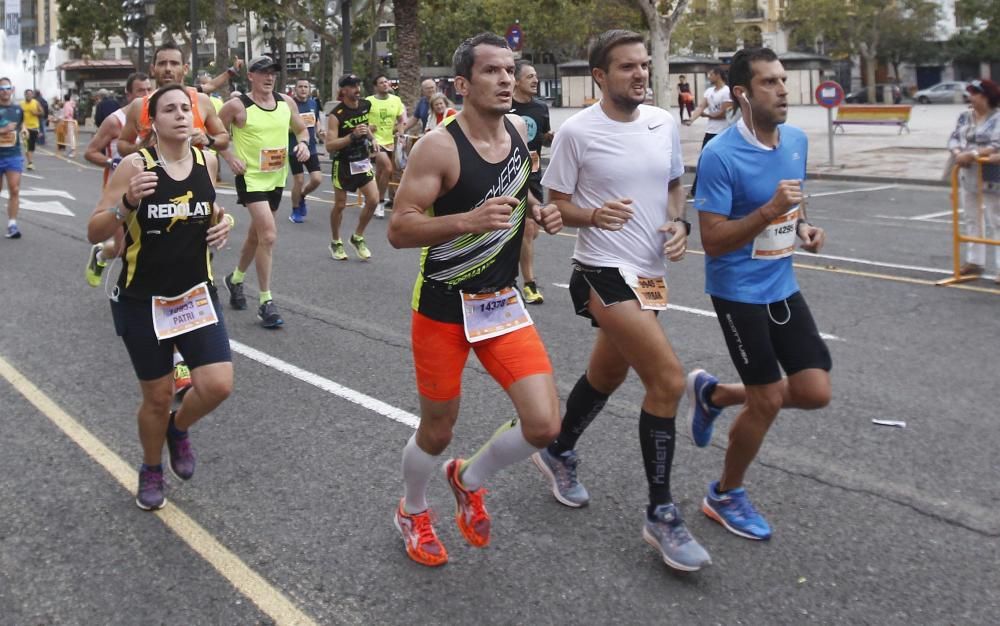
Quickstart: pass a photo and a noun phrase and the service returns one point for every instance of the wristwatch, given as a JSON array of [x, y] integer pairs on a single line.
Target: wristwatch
[[210, 142], [687, 224]]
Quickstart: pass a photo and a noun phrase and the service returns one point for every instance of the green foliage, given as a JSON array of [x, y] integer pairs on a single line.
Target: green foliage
[[710, 26], [980, 40], [82, 23], [561, 28]]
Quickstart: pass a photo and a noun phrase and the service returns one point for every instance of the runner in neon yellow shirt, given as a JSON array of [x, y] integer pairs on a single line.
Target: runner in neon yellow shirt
[[388, 117]]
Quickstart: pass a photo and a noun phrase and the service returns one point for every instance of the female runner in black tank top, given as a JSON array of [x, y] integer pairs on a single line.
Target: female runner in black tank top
[[166, 199]]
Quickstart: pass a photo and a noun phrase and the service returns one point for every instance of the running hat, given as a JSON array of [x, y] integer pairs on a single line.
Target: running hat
[[349, 80], [261, 63]]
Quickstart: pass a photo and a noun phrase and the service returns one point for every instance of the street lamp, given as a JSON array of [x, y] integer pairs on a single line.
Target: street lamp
[[137, 15], [30, 63]]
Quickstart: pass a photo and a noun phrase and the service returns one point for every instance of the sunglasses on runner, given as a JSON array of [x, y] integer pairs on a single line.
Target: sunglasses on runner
[[5, 88]]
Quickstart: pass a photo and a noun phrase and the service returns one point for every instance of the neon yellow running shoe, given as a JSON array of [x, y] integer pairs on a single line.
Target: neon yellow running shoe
[[360, 248], [94, 267], [337, 251]]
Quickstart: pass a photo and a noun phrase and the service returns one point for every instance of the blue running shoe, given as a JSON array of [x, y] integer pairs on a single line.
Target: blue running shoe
[[666, 532], [296, 216], [180, 454], [303, 209], [701, 414], [13, 232], [735, 512], [561, 472]]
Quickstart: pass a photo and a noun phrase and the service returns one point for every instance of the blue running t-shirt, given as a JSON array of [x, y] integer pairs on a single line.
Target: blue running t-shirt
[[736, 176]]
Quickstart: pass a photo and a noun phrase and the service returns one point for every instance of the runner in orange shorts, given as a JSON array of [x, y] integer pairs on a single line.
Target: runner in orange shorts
[[474, 173]]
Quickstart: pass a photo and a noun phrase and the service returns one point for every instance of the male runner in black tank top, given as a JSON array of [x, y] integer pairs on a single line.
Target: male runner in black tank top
[[464, 198]]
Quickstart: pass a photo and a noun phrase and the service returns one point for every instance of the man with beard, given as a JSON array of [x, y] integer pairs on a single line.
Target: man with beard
[[615, 173], [750, 212], [349, 140], [387, 118]]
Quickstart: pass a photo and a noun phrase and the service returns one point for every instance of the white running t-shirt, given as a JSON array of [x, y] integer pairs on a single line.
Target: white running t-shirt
[[596, 159], [716, 98]]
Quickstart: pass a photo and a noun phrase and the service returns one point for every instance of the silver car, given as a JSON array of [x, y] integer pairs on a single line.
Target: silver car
[[949, 92]]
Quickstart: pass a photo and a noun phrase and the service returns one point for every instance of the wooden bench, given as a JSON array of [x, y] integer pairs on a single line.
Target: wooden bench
[[874, 115]]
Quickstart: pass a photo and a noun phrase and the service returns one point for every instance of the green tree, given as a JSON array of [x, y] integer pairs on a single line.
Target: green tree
[[979, 38], [662, 17], [861, 28]]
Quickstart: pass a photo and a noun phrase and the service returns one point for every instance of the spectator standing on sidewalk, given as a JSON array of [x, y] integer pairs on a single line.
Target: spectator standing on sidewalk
[[976, 135], [685, 99]]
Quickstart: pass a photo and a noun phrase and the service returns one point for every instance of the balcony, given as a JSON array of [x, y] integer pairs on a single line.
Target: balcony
[[755, 14]]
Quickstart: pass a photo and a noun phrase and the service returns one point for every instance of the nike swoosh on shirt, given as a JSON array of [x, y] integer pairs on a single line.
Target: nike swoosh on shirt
[[655, 126]]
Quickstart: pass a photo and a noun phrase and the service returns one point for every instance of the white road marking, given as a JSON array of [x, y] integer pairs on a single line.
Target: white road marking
[[705, 313], [931, 216], [897, 266], [366, 401], [53, 206], [41, 192], [843, 191], [35, 176]]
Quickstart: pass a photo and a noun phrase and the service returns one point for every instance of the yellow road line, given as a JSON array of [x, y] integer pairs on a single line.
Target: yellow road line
[[863, 274], [248, 582]]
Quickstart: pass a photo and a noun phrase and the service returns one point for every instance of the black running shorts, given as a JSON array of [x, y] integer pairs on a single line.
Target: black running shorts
[[764, 339], [32, 139], [246, 198], [297, 166], [344, 180], [607, 282], [152, 358]]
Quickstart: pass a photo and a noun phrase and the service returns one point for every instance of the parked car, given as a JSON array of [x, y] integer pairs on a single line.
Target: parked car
[[948, 91], [861, 95]]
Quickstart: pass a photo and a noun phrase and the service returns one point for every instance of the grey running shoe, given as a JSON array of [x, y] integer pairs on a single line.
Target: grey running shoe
[[667, 533], [150, 496], [561, 472], [269, 316], [236, 298]]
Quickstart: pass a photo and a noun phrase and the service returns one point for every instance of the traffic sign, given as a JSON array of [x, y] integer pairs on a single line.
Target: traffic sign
[[515, 37], [829, 94]]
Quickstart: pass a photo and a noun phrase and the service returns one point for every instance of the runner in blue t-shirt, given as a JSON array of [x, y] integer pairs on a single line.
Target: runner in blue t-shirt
[[749, 200], [311, 114], [11, 161]]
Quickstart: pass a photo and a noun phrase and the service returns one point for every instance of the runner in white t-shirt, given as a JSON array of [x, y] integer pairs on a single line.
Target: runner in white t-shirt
[[615, 174], [714, 106]]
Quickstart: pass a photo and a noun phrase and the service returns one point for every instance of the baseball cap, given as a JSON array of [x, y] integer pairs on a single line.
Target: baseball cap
[[348, 80], [261, 63]]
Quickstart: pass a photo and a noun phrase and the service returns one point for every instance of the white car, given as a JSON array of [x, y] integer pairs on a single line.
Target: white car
[[950, 92]]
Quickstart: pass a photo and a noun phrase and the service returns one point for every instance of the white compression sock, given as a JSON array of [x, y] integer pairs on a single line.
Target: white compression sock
[[178, 358], [418, 467], [506, 447]]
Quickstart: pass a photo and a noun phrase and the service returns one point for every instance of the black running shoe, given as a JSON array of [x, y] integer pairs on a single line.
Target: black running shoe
[[268, 315], [236, 298]]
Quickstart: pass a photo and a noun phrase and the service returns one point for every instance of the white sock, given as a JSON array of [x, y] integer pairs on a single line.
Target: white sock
[[178, 358], [507, 447], [11, 223], [418, 468]]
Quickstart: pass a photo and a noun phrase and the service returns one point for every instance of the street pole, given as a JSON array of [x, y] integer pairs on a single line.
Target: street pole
[[829, 132], [193, 14], [142, 46]]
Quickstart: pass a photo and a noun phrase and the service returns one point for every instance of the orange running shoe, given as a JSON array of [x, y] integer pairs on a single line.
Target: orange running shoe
[[182, 379], [422, 544], [470, 512]]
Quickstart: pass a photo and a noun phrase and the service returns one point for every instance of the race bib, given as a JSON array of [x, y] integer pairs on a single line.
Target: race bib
[[8, 139], [309, 119], [536, 162], [193, 309], [650, 292], [487, 315], [777, 241], [360, 167], [272, 159]]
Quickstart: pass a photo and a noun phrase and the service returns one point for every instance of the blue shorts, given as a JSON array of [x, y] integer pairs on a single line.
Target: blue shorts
[[154, 359], [12, 164]]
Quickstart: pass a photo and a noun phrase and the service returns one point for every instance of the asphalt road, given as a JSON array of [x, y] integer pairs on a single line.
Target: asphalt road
[[297, 477]]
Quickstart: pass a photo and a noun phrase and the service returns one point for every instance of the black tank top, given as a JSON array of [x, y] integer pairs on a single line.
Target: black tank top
[[475, 263], [165, 249]]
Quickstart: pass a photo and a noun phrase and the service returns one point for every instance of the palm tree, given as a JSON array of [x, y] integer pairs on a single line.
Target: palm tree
[[407, 51]]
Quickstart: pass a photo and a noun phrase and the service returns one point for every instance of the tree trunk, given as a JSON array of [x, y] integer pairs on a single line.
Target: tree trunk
[[661, 26], [870, 63], [220, 30], [407, 50]]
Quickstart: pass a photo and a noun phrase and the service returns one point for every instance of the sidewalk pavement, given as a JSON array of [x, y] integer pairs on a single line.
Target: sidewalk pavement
[[863, 153]]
